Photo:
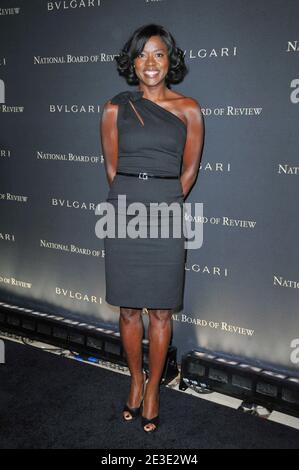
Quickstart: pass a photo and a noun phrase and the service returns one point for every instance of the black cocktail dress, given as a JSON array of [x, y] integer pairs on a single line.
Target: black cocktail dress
[[146, 272]]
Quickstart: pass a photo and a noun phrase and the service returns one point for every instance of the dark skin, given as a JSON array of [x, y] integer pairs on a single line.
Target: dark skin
[[153, 57]]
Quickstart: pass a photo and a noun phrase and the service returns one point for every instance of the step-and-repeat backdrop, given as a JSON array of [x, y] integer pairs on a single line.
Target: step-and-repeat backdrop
[[57, 69]]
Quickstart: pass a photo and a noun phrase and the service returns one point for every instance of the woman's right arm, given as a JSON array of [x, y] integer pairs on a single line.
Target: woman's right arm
[[109, 139]]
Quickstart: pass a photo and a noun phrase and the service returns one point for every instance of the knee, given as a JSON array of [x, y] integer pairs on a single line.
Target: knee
[[160, 316], [130, 315]]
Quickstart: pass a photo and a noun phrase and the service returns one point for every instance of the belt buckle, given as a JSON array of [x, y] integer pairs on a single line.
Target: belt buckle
[[143, 176]]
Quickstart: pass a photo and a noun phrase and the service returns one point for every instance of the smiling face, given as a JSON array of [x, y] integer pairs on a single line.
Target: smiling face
[[151, 65]]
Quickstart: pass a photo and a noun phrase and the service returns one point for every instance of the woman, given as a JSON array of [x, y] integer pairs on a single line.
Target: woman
[[146, 135]]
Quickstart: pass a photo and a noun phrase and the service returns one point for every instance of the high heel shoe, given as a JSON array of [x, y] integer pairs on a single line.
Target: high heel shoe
[[135, 412], [145, 421]]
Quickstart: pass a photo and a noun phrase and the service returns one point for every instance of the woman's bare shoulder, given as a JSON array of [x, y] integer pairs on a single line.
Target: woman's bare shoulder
[[109, 110], [110, 105], [188, 100]]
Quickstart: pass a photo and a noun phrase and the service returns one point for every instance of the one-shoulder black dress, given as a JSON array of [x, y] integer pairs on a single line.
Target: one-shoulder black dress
[[146, 272]]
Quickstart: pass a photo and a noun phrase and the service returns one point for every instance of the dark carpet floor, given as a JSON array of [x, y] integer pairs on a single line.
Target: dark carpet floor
[[50, 402]]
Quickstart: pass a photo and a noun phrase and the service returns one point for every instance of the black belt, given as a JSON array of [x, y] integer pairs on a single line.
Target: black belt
[[145, 176]]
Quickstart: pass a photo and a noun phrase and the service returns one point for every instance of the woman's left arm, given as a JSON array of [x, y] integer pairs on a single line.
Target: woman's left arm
[[194, 144]]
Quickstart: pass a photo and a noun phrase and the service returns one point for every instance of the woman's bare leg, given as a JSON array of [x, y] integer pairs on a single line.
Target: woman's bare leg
[[159, 334], [131, 331]]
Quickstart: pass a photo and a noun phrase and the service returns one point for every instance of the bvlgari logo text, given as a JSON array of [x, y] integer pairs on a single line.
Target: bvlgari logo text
[[285, 169], [12, 281], [280, 281], [4, 153], [74, 108], [232, 111], [211, 53], [293, 46], [9, 11], [75, 295], [73, 59], [73, 249], [72, 4], [215, 167], [7, 237], [68, 157], [13, 197], [74, 204], [207, 270]]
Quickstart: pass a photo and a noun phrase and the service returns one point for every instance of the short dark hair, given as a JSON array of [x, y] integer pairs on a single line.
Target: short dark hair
[[134, 46]]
